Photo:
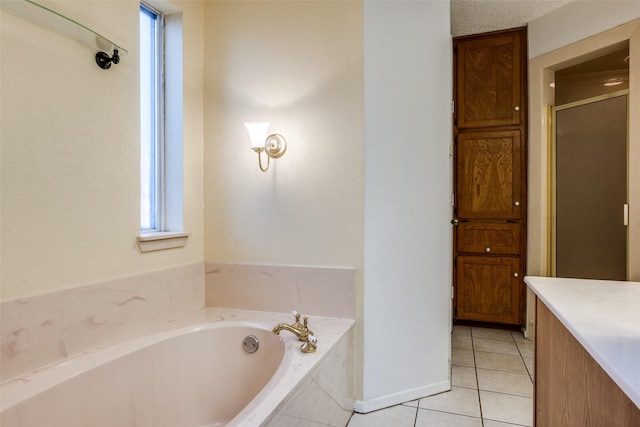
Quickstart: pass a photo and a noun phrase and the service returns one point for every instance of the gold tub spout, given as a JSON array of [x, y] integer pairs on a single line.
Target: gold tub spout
[[301, 331]]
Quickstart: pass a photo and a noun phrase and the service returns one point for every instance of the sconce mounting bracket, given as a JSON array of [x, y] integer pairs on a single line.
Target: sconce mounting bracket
[[275, 145]]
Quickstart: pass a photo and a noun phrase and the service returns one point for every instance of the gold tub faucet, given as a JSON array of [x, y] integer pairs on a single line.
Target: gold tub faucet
[[301, 331]]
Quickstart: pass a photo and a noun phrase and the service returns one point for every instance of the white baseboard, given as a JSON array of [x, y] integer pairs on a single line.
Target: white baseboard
[[364, 406]]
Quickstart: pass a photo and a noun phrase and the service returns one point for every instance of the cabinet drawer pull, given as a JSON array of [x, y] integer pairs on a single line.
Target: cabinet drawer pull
[[516, 108], [488, 250], [516, 275], [516, 204]]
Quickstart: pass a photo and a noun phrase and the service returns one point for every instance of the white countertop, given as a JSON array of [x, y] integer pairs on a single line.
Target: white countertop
[[604, 316]]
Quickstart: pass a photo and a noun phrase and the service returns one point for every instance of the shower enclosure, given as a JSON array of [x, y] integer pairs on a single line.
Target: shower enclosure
[[589, 195]]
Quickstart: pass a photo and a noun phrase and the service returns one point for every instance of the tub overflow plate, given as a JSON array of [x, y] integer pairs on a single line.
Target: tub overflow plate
[[250, 344]]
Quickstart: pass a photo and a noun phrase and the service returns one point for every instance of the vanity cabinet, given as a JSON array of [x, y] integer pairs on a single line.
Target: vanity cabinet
[[571, 388]]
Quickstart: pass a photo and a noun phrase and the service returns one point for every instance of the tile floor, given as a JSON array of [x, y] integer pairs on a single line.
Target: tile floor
[[492, 386]]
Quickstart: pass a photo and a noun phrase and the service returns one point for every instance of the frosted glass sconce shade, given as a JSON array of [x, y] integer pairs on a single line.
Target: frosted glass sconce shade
[[257, 134], [273, 145]]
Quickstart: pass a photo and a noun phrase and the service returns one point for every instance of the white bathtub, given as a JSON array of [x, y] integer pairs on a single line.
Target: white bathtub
[[190, 373]]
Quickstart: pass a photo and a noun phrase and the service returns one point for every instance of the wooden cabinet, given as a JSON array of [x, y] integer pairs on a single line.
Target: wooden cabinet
[[488, 238], [490, 177], [488, 288], [489, 80], [571, 389], [489, 174]]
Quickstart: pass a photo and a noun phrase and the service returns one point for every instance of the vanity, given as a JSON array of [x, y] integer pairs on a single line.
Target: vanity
[[587, 357]]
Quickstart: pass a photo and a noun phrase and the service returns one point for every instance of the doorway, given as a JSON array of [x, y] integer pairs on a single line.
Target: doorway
[[589, 188], [543, 71]]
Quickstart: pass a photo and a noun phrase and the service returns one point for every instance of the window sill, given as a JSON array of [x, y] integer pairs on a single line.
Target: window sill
[[160, 240]]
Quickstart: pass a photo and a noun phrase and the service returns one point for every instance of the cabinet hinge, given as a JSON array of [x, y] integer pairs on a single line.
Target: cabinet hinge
[[453, 106]]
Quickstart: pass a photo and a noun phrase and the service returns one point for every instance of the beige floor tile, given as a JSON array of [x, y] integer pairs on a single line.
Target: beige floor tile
[[526, 348], [489, 423], [504, 373], [461, 341], [529, 363], [507, 408], [462, 357], [495, 346], [289, 421], [428, 418], [463, 376], [462, 401], [518, 336], [500, 362], [461, 330], [397, 416], [412, 403], [496, 334], [505, 382]]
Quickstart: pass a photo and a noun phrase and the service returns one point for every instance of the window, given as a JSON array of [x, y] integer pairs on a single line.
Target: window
[[161, 129], [151, 119]]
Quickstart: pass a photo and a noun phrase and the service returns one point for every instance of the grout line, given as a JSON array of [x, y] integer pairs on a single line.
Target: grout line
[[475, 369], [525, 364]]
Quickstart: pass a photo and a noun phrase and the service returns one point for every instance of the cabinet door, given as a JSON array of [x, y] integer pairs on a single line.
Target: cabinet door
[[488, 169], [489, 74], [488, 289]]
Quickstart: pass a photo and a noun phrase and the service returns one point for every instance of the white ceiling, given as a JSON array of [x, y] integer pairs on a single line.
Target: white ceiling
[[480, 16]]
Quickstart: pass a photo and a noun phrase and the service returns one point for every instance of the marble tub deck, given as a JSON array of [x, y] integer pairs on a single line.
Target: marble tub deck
[[329, 331]]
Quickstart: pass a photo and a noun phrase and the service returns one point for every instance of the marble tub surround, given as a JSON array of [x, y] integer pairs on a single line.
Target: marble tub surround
[[327, 371], [47, 328], [326, 396], [321, 291], [603, 317]]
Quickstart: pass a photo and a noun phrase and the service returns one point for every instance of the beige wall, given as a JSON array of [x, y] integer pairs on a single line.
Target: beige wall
[[299, 66], [70, 152]]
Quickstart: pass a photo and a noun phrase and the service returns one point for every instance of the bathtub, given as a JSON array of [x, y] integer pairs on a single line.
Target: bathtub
[[193, 372]]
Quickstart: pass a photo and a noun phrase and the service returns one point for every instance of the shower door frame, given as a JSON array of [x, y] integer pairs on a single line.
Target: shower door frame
[[552, 174]]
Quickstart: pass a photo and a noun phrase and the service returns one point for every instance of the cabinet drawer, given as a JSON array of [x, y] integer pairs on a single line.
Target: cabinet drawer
[[488, 238]]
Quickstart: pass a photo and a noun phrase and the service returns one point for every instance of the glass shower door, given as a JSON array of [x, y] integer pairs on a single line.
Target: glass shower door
[[589, 173]]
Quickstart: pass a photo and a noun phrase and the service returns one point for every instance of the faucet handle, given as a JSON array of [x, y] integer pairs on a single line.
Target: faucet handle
[[310, 345], [297, 323]]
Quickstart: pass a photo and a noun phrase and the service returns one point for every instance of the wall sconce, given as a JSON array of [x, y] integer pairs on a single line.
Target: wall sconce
[[273, 145]]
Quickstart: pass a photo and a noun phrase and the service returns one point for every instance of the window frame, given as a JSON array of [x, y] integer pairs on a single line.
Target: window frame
[[157, 207], [168, 232]]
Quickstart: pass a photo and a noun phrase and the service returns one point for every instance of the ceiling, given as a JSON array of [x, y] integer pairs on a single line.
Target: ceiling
[[480, 16]]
